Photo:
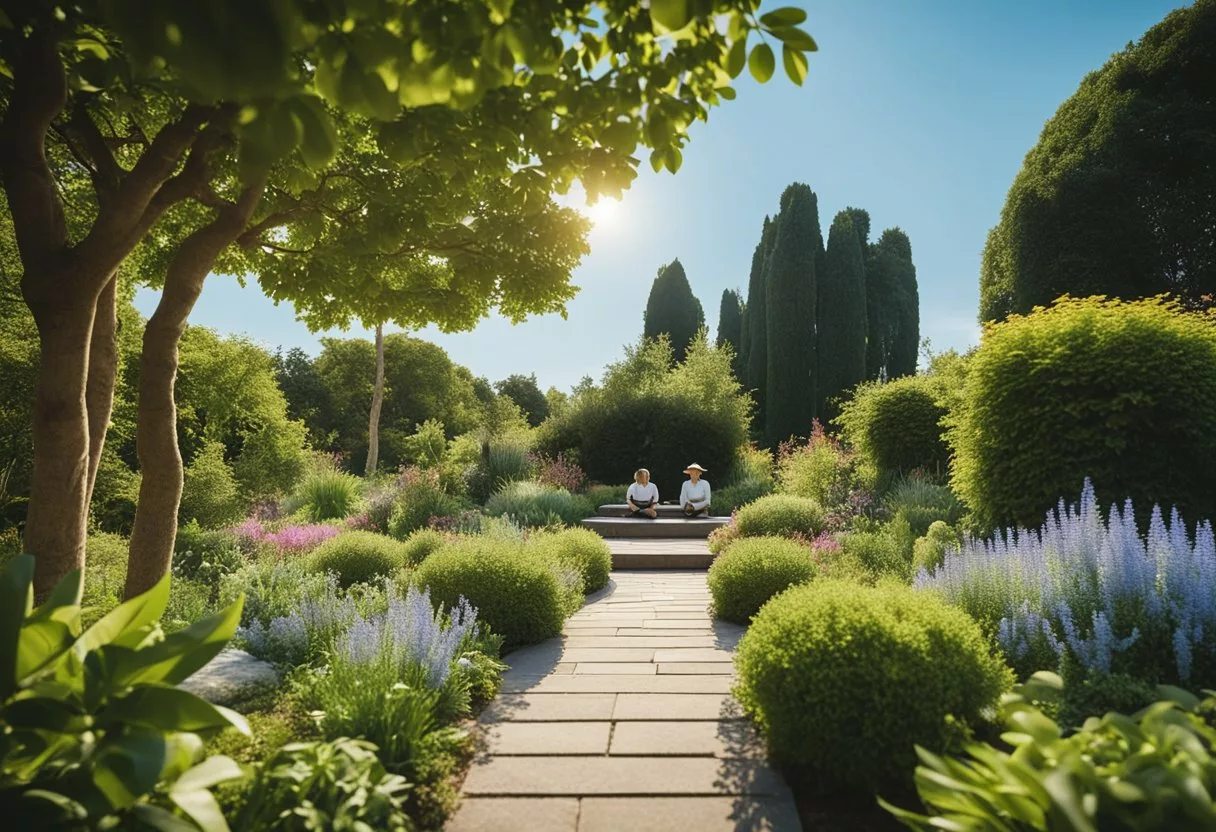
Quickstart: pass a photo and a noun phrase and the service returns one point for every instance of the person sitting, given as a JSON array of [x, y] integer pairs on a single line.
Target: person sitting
[[694, 494], [643, 496]]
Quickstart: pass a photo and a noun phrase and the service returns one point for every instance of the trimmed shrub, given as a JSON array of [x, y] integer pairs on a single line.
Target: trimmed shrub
[[359, 557], [783, 515], [329, 495], [516, 593], [845, 680], [580, 549], [534, 505], [422, 544], [1122, 393], [210, 494], [896, 426], [723, 536], [882, 552], [753, 570], [930, 550], [727, 500]]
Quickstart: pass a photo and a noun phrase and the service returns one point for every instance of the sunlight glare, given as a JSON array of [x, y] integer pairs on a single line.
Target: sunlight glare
[[602, 212]]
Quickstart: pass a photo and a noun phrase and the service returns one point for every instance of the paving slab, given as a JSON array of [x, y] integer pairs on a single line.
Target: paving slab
[[697, 668], [673, 706], [675, 623], [579, 776], [731, 738], [691, 654], [549, 738], [703, 814], [667, 683], [615, 669], [608, 654], [516, 814], [550, 707]]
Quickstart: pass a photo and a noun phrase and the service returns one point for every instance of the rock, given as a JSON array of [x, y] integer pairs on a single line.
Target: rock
[[231, 677]]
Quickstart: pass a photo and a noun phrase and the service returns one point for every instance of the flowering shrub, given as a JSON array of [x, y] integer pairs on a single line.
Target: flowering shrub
[[557, 471], [723, 536], [289, 540], [419, 496], [1095, 593], [306, 632]]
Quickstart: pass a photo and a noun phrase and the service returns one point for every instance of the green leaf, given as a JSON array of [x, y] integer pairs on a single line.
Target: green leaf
[[127, 768], [796, 39], [45, 714], [65, 594], [1183, 698], [42, 644], [670, 15], [319, 143], [166, 709], [795, 64], [202, 807], [656, 159], [675, 159], [160, 818], [16, 598], [181, 653], [213, 770], [736, 58], [762, 62], [726, 92], [129, 615], [785, 16], [1036, 725]]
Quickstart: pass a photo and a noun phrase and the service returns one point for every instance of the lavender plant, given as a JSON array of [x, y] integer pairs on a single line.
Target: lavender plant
[[307, 631], [1094, 593]]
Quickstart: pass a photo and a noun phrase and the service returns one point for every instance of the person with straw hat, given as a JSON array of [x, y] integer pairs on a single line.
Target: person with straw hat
[[694, 494]]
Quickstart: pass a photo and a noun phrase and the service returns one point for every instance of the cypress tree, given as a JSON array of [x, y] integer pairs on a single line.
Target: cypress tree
[[841, 328], [905, 323], [672, 308], [790, 298], [754, 360], [730, 323]]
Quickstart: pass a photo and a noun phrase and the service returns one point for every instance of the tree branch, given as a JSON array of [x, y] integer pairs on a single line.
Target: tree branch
[[107, 175]]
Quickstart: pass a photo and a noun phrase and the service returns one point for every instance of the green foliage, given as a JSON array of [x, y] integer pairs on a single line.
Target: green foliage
[[517, 594], [115, 492], [326, 785], [421, 544], [892, 307], [722, 537], [822, 470], [105, 575], [501, 462], [882, 552], [649, 414], [753, 570], [922, 502], [753, 357], [841, 315], [1121, 392], [843, 680], [604, 495], [579, 549], [673, 310], [534, 505], [95, 729], [427, 447], [792, 295], [1148, 771], [730, 325], [524, 391], [730, 499], [358, 557], [210, 494], [329, 495], [896, 426], [418, 496], [1116, 197], [205, 554], [783, 515], [272, 588], [930, 549]]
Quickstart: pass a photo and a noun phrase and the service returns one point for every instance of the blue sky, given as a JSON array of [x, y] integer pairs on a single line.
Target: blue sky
[[919, 112]]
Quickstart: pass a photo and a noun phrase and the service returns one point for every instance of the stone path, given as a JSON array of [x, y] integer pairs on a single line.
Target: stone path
[[625, 723]]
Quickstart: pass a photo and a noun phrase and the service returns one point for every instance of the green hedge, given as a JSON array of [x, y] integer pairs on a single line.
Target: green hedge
[[422, 544], [845, 680], [534, 505], [1122, 393], [782, 515], [929, 551], [580, 549], [896, 426], [753, 570], [359, 557], [517, 593]]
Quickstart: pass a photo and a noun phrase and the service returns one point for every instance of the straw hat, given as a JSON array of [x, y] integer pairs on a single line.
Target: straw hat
[[696, 467]]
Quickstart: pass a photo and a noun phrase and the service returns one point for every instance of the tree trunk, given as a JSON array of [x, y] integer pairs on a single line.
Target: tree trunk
[[160, 460], [103, 367], [373, 425]]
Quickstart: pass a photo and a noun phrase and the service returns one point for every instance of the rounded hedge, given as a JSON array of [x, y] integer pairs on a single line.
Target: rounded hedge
[[782, 515], [930, 551], [896, 426], [581, 549], [517, 593], [1121, 392], [753, 570], [421, 544], [845, 680], [358, 557]]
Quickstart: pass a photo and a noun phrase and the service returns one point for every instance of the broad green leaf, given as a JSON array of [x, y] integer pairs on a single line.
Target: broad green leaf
[[129, 615], [796, 39], [165, 708], [319, 143], [42, 644], [762, 62], [65, 594], [657, 159], [45, 714], [726, 92], [209, 772], [670, 15], [1065, 799], [795, 64], [202, 807], [736, 58], [16, 598], [675, 159], [161, 819], [127, 768], [1184, 698], [785, 16], [1039, 727], [181, 653]]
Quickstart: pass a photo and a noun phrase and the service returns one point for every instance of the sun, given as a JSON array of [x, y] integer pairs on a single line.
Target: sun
[[602, 212]]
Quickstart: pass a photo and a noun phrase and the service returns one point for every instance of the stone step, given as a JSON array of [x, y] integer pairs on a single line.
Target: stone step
[[648, 553], [622, 510], [678, 528]]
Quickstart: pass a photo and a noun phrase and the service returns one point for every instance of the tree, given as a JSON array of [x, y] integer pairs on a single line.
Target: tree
[[730, 323], [754, 331], [1118, 197], [893, 252], [791, 300], [672, 309], [142, 108], [373, 422], [524, 391], [841, 316], [307, 399]]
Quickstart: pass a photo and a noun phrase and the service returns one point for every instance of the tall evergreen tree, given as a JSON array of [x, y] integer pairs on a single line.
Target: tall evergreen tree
[[841, 327], [672, 308], [730, 323], [790, 298], [905, 323], [754, 358], [861, 224]]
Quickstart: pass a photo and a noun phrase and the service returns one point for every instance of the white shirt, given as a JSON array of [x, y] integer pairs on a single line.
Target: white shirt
[[697, 494], [642, 493]]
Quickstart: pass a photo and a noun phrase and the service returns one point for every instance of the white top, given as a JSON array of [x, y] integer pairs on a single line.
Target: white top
[[697, 494], [642, 493]]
